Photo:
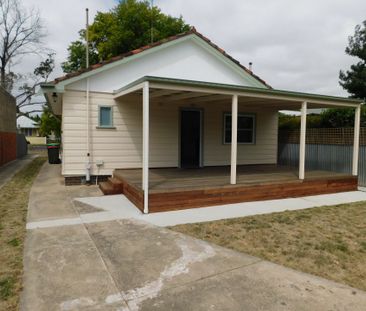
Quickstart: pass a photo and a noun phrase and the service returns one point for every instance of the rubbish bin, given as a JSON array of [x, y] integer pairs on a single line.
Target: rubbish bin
[[53, 151]]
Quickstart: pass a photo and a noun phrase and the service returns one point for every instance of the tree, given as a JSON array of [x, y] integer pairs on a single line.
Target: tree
[[21, 33], [354, 79], [328, 118], [28, 90], [291, 122], [48, 123], [338, 117], [129, 25]]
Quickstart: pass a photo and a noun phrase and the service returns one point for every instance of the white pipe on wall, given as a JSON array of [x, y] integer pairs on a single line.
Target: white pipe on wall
[[87, 164]]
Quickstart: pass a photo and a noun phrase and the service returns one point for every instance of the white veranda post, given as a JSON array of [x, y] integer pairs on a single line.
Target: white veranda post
[[356, 141], [302, 141], [234, 140], [145, 145]]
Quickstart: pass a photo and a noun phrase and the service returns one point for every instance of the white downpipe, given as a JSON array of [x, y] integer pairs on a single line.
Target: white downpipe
[[145, 145], [234, 138], [87, 164], [302, 141], [356, 141]]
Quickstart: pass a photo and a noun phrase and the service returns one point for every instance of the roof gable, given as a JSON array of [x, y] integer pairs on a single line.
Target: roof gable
[[192, 36]]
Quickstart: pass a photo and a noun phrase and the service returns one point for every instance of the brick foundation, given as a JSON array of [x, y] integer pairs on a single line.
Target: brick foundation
[[80, 180]]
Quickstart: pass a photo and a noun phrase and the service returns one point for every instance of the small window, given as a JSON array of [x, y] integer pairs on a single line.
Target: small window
[[105, 116], [246, 126]]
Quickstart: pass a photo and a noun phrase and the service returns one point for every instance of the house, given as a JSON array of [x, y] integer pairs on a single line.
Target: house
[[181, 124], [31, 131], [8, 136]]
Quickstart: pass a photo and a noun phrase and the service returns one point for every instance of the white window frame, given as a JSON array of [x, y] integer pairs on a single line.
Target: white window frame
[[251, 115], [111, 126]]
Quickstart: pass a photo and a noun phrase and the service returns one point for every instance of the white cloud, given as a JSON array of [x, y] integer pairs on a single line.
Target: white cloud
[[297, 45], [62, 21]]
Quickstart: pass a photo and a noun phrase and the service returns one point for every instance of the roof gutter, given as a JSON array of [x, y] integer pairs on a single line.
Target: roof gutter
[[254, 91]]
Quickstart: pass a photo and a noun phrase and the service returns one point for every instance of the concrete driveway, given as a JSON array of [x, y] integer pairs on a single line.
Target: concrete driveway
[[131, 265]]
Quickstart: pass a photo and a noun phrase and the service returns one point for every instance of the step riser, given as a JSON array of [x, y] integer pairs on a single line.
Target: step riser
[[117, 185], [109, 188]]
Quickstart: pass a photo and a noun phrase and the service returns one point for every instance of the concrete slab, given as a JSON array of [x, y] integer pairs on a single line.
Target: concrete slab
[[160, 255], [128, 264], [261, 286], [51, 199], [119, 207], [337, 198], [63, 271], [8, 170]]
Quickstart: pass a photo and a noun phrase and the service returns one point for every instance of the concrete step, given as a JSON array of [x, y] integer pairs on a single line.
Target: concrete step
[[108, 188]]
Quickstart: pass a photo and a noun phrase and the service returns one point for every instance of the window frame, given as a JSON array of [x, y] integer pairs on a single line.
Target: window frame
[[110, 126], [251, 115]]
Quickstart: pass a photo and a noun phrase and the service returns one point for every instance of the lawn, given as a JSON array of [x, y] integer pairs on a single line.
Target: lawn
[[327, 241], [13, 211]]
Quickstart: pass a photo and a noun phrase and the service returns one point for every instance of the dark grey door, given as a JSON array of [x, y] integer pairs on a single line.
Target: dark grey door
[[190, 138]]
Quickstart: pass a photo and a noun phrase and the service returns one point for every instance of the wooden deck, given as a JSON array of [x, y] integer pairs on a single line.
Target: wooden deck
[[174, 189]]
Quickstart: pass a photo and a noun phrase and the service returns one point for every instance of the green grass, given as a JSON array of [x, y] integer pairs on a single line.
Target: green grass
[[13, 212], [327, 241]]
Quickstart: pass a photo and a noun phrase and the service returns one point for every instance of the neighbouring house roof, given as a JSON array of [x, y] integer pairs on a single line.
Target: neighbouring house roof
[[236, 89], [24, 122], [192, 31]]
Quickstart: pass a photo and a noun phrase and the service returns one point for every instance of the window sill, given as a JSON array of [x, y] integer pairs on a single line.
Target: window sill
[[106, 127]]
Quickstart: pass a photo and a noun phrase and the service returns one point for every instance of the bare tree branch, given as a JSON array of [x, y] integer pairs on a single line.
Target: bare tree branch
[[21, 33]]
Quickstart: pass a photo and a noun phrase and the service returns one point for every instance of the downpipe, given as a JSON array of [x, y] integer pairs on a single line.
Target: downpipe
[[88, 162]]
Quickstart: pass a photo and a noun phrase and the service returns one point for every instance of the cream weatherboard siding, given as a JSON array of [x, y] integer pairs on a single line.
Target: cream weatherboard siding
[[263, 151], [121, 147], [185, 59]]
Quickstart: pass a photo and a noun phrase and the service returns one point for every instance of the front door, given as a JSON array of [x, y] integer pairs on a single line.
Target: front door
[[190, 138]]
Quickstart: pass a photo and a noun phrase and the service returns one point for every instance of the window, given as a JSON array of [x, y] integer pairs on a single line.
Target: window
[[105, 116], [27, 131], [246, 126]]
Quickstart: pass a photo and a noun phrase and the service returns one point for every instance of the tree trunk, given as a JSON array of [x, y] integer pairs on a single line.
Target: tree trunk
[[2, 77]]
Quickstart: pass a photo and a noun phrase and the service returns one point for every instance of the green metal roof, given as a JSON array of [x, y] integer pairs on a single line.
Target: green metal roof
[[300, 96]]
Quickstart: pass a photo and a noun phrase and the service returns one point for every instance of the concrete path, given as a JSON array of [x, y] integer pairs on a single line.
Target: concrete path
[[114, 207], [8, 170], [132, 265]]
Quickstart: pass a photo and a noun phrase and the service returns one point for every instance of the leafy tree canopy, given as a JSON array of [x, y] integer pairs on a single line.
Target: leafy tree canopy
[[129, 25], [354, 79], [334, 117], [48, 123]]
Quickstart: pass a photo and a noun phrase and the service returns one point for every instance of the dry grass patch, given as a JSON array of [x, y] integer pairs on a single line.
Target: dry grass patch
[[13, 211], [327, 241]]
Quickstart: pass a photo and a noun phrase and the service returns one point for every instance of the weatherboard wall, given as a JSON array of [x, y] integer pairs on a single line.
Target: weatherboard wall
[[121, 146], [189, 59]]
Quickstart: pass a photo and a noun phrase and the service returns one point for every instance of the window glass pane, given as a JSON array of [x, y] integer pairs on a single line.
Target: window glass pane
[[245, 129], [245, 136], [228, 121], [228, 136], [245, 122], [105, 116]]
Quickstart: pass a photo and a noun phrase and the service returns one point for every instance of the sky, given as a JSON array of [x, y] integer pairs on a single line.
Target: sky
[[293, 45]]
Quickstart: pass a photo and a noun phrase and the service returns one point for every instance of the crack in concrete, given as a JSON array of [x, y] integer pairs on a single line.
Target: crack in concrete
[[136, 296]]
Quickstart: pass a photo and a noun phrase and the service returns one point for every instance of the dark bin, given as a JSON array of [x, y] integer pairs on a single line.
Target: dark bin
[[53, 151]]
